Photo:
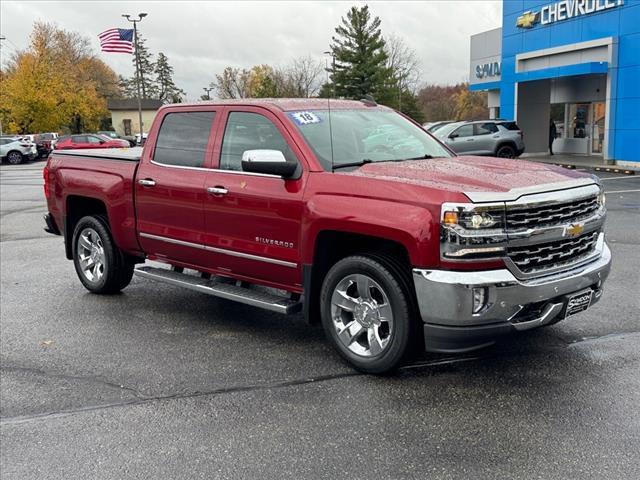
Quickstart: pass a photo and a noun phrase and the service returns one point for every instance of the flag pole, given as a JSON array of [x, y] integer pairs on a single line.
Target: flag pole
[[138, 79]]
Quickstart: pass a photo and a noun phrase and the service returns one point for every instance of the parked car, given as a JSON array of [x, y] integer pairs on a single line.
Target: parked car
[[88, 140], [433, 126], [44, 144], [140, 140], [391, 244], [113, 135], [15, 150], [496, 138]]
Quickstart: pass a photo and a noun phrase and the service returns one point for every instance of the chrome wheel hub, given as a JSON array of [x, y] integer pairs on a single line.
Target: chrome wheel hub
[[362, 315], [91, 255]]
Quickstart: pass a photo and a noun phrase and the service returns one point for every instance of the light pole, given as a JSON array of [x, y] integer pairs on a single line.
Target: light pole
[[2, 37], [333, 69], [135, 43], [208, 89]]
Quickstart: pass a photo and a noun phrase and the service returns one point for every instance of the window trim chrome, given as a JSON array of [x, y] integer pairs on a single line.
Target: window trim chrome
[[224, 251]]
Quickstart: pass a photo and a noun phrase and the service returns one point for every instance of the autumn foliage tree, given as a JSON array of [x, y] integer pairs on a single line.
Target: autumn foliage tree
[[56, 83]]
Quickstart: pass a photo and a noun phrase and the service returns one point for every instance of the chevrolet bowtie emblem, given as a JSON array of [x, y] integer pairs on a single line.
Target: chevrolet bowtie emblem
[[574, 230], [528, 19]]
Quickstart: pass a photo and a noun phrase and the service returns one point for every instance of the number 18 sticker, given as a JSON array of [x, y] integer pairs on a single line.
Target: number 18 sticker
[[305, 118]]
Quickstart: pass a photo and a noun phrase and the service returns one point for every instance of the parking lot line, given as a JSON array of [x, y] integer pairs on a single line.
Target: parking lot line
[[615, 178], [623, 191]]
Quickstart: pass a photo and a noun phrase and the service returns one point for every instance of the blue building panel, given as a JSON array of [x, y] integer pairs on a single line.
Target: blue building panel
[[525, 29]]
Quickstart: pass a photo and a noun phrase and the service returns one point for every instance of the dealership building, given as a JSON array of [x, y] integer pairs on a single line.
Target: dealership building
[[574, 62]]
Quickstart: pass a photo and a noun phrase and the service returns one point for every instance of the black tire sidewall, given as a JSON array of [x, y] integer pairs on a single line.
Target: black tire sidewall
[[506, 147], [20, 158], [110, 281], [398, 346]]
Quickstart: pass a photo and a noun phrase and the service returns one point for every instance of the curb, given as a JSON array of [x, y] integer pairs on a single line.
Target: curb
[[613, 169]]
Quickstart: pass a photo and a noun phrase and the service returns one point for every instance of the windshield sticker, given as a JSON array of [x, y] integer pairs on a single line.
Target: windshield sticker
[[305, 118]]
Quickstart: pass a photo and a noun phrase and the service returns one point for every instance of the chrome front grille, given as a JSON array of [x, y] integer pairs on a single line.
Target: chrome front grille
[[543, 256], [550, 214]]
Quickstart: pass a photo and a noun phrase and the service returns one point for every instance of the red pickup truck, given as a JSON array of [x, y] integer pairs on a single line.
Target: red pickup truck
[[348, 211]]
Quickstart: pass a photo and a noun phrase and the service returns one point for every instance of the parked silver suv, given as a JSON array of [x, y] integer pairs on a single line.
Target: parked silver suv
[[497, 138]]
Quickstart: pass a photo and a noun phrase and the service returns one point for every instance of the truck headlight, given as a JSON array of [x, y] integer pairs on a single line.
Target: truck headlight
[[470, 231], [602, 199]]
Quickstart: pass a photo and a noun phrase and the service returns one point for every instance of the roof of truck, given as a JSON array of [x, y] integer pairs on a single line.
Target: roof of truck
[[289, 104]]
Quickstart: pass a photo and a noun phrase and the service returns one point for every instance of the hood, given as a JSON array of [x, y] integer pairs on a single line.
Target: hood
[[468, 174]]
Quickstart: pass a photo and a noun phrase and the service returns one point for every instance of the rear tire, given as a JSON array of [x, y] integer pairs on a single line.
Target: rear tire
[[100, 264], [15, 158], [367, 313], [506, 151]]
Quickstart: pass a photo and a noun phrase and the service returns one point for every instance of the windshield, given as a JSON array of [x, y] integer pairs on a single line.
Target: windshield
[[445, 130], [361, 135]]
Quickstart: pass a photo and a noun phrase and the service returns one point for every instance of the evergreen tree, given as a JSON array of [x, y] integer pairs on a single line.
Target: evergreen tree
[[360, 66], [168, 92], [148, 89]]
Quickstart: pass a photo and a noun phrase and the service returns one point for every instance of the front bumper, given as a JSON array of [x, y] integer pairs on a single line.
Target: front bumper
[[445, 300]]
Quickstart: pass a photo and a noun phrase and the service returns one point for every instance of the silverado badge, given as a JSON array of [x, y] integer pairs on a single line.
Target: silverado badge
[[528, 19], [574, 230]]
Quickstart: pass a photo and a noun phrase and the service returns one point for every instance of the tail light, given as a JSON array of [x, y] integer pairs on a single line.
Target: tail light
[[45, 175]]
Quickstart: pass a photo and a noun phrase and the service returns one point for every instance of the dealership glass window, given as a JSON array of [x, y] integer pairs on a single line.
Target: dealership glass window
[[579, 126]]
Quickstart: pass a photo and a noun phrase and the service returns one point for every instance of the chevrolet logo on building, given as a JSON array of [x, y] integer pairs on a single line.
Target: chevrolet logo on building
[[528, 19]]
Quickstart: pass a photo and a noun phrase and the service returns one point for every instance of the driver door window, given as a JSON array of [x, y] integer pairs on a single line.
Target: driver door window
[[250, 131]]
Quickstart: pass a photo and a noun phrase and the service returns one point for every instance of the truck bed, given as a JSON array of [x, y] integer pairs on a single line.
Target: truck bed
[[104, 175], [130, 154]]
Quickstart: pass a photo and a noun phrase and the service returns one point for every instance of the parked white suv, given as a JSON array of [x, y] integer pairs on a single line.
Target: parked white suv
[[15, 150], [496, 138]]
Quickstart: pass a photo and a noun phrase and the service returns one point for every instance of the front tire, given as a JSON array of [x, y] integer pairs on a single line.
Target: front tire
[[100, 264], [15, 158], [366, 313]]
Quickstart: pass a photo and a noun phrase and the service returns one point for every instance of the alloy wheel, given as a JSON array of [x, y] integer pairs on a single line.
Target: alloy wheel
[[91, 255], [362, 315]]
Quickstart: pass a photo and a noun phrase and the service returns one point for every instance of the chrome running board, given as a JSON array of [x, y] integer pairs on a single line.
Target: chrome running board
[[229, 291]]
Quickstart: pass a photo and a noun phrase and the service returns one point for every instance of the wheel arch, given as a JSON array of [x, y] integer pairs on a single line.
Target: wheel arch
[[76, 207], [334, 245]]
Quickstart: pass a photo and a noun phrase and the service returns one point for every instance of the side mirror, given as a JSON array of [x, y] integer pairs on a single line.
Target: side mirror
[[102, 141], [270, 162], [453, 135]]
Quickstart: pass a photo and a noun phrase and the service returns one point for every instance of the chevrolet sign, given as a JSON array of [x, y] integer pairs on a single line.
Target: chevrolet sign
[[564, 10]]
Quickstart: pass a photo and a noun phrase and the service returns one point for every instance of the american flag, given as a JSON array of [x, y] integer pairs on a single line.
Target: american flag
[[119, 40]]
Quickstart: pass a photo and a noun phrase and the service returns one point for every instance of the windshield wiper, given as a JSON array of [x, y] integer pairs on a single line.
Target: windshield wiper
[[364, 161], [426, 156]]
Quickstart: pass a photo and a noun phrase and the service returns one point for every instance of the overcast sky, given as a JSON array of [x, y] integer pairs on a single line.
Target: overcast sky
[[201, 38]]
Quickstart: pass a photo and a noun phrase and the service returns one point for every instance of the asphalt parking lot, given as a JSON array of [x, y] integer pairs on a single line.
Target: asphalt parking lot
[[160, 382]]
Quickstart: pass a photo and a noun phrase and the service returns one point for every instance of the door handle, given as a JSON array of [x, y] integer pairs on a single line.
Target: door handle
[[147, 182], [470, 140], [217, 190]]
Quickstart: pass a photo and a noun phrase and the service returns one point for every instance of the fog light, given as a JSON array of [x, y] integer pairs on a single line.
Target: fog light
[[479, 299]]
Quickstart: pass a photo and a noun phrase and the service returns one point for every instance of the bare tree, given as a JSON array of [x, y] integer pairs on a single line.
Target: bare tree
[[403, 62], [303, 76], [233, 83]]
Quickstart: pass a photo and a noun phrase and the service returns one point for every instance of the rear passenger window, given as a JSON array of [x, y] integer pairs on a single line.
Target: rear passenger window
[[250, 131], [183, 139], [513, 126], [465, 131], [485, 128]]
